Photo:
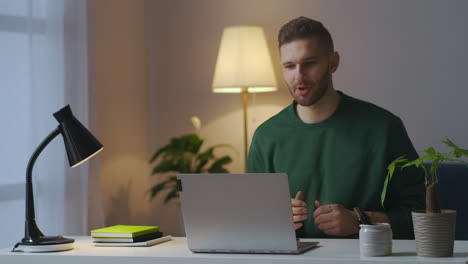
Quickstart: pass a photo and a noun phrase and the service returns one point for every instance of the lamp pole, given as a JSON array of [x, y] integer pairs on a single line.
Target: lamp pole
[[32, 234], [244, 66], [245, 97]]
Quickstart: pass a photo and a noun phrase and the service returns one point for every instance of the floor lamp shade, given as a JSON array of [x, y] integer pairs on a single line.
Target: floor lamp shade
[[243, 62], [244, 66]]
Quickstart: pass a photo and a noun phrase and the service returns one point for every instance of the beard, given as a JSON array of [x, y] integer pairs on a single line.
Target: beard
[[313, 96]]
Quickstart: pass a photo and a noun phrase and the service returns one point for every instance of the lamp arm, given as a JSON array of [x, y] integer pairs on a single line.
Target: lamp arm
[[31, 229]]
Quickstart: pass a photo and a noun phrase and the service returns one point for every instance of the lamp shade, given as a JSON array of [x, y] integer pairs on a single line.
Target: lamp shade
[[80, 144], [243, 62]]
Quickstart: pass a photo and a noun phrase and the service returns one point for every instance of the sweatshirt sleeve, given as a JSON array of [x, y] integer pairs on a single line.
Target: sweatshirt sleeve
[[406, 190]]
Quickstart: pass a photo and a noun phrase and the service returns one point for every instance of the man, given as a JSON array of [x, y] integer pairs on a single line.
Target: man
[[335, 148]]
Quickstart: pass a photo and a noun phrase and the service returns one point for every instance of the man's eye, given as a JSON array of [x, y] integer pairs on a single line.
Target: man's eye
[[289, 66], [310, 63]]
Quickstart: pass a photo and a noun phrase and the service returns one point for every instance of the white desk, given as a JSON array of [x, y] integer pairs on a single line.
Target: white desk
[[176, 251]]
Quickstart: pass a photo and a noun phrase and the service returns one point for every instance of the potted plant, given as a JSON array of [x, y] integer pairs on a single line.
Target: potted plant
[[183, 155], [433, 228]]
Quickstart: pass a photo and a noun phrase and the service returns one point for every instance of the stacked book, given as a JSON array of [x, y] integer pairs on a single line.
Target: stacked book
[[128, 236]]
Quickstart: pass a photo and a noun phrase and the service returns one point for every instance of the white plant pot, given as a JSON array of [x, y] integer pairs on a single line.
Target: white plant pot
[[434, 233]]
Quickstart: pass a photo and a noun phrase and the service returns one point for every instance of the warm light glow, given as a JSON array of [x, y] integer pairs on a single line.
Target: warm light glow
[[95, 153], [239, 89], [244, 62]]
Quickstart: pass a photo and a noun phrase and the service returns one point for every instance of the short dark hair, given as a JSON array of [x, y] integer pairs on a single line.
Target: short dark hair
[[304, 28]]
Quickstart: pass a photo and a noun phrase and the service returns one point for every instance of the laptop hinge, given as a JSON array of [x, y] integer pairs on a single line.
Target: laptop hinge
[[179, 185]]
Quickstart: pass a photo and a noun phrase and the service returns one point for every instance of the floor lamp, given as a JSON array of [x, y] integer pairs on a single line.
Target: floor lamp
[[244, 66]]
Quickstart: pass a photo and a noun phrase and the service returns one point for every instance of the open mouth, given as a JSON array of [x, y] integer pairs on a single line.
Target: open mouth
[[303, 90]]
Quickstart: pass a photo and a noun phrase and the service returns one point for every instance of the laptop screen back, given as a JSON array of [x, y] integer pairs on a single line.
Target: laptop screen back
[[237, 212]]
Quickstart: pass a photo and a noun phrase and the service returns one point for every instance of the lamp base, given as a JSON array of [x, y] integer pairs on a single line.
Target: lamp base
[[46, 244]]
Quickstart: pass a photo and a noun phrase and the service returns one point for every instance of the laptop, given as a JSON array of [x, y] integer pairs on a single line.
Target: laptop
[[239, 213]]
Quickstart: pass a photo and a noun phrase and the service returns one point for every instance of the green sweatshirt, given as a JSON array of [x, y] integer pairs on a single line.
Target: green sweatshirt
[[343, 160]]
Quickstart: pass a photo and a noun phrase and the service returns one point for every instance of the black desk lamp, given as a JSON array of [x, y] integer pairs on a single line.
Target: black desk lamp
[[81, 145]]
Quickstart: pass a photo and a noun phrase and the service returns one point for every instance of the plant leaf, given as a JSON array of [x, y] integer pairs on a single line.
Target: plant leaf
[[207, 155], [431, 154], [155, 190], [434, 169], [416, 163], [158, 188], [203, 159], [171, 195], [384, 190], [458, 152], [190, 143], [159, 152], [217, 166], [390, 171], [165, 166]]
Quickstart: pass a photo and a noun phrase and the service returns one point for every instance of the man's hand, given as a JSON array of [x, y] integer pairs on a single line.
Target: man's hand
[[335, 220], [299, 208]]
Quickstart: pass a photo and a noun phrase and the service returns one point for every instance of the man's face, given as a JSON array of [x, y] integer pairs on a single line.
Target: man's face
[[307, 69]]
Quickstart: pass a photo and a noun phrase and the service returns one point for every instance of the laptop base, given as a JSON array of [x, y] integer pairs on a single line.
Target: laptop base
[[301, 248]]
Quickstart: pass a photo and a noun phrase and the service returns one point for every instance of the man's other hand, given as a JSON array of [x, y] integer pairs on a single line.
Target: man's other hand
[[335, 220], [299, 209]]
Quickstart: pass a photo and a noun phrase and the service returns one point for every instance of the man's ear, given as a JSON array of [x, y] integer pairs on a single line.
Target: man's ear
[[334, 61]]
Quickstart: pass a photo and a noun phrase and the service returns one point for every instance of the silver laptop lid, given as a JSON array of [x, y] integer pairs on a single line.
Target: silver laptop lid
[[237, 212]]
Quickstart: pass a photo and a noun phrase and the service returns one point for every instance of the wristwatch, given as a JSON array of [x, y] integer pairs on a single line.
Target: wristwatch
[[362, 217]]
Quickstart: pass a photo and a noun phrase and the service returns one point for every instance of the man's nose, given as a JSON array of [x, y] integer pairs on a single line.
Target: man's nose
[[299, 73]]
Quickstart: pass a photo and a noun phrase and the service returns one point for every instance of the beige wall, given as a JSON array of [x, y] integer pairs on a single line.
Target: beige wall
[[118, 62]]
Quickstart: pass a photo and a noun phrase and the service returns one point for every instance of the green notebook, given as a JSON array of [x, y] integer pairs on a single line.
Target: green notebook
[[124, 231]]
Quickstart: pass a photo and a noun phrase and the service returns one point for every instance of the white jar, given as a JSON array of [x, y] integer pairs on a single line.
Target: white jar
[[375, 240]]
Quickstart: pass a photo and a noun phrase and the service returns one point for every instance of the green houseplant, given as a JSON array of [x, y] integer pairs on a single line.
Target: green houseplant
[[183, 155], [431, 179], [434, 228]]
